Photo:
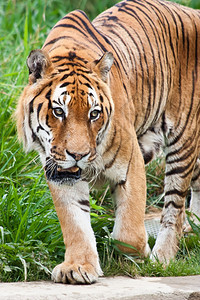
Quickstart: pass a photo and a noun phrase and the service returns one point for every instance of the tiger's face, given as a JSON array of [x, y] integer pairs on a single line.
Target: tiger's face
[[66, 113], [75, 119]]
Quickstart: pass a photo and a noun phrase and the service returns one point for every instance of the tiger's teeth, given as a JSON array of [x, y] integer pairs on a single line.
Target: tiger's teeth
[[71, 170]]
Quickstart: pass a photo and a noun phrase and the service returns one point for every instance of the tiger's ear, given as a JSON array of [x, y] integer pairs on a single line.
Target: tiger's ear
[[39, 64], [103, 65]]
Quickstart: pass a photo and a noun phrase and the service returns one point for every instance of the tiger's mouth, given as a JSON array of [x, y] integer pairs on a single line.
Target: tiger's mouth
[[62, 176]]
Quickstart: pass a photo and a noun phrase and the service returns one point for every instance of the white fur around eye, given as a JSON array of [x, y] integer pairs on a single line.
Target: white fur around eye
[[61, 99], [92, 96]]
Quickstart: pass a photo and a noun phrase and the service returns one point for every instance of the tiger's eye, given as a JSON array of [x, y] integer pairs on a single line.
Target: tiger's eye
[[58, 112], [94, 114]]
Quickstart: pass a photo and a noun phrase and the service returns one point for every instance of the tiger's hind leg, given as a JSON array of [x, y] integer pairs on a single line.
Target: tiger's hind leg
[[180, 160], [195, 196]]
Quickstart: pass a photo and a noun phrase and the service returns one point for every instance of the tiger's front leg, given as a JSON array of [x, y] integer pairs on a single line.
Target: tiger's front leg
[[81, 264], [130, 200]]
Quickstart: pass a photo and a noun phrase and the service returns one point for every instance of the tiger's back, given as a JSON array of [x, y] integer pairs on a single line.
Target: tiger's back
[[155, 45], [89, 114]]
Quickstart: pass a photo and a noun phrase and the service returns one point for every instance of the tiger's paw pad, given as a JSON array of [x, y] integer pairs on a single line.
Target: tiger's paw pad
[[74, 274]]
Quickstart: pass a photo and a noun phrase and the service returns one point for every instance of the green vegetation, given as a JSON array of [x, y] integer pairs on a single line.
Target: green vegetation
[[30, 237], [191, 3]]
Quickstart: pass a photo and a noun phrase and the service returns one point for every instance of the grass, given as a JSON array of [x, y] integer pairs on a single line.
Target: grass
[[31, 242]]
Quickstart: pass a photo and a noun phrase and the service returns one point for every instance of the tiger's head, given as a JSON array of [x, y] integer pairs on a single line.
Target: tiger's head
[[64, 112]]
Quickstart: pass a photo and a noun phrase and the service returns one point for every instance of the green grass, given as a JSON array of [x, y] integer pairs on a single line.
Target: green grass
[[191, 3], [31, 242]]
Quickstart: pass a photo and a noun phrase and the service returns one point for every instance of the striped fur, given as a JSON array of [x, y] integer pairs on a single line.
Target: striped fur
[[102, 99]]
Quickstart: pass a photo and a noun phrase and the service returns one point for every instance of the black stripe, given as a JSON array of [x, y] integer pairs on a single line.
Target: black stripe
[[177, 206], [84, 202], [164, 125], [179, 170], [91, 33], [101, 98], [187, 39], [177, 192], [39, 109], [66, 83], [160, 16], [31, 105], [188, 52], [57, 39], [179, 75], [122, 183], [108, 114], [101, 133], [69, 57], [140, 57], [170, 39], [48, 95], [181, 158], [155, 30], [31, 110], [196, 176], [129, 163], [139, 20], [184, 146], [190, 171], [120, 55], [178, 137], [69, 26], [40, 127], [182, 28], [125, 88], [116, 49], [171, 12], [65, 77], [109, 165], [109, 147], [57, 58], [85, 210], [39, 143], [196, 50], [85, 77]]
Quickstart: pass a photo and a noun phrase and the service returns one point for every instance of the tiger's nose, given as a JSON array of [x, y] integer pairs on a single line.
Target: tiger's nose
[[77, 156]]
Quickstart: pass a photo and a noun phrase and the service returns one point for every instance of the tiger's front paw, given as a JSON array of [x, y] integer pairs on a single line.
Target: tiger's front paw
[[75, 273]]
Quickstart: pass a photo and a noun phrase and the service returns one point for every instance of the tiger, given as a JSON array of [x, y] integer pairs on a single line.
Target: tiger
[[103, 99]]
